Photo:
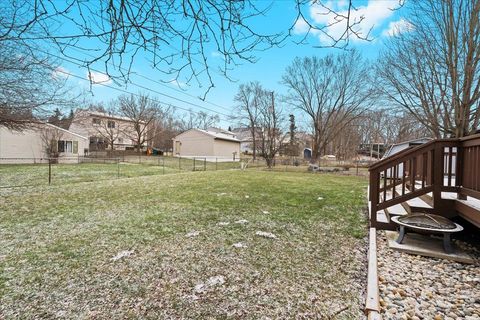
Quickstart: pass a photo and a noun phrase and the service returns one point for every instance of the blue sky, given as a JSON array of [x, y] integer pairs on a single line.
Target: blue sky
[[378, 16]]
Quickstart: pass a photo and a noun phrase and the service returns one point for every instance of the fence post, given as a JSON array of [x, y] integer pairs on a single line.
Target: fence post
[[205, 164], [216, 164], [179, 165], [49, 171], [118, 168], [163, 163], [193, 163]]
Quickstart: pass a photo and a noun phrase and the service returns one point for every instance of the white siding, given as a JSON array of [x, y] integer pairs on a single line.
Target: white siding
[[28, 144]]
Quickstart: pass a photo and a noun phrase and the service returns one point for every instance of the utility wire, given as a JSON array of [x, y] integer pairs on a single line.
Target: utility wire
[[155, 81], [227, 117]]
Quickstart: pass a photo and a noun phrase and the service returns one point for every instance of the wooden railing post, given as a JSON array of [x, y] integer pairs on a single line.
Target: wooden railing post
[[459, 171], [438, 176], [374, 195]]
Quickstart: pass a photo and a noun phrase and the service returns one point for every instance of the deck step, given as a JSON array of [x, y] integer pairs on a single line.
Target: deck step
[[396, 210], [469, 209], [419, 203], [382, 217]]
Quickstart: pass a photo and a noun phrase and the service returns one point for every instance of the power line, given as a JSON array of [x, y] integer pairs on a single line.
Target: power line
[[125, 91], [155, 81], [227, 117]]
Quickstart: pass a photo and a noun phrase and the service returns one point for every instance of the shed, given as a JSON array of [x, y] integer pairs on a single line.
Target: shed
[[212, 145], [307, 153]]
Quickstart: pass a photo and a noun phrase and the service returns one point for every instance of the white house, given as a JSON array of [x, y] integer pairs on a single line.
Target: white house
[[212, 144], [33, 144], [101, 128], [396, 148]]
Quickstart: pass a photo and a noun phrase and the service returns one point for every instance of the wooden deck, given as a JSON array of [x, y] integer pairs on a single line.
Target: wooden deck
[[441, 177]]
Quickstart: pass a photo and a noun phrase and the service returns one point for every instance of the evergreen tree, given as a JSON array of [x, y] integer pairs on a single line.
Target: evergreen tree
[[293, 142]]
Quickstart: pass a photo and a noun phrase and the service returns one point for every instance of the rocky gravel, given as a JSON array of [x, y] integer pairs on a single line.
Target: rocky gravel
[[416, 287]]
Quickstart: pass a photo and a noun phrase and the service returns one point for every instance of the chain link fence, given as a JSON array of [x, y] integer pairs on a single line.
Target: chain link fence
[[20, 172]]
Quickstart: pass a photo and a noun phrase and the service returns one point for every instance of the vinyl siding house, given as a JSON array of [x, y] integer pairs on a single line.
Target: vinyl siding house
[[31, 144], [99, 127], [246, 140], [398, 147], [212, 144]]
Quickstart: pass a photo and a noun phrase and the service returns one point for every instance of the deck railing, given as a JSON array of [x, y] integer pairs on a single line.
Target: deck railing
[[433, 167], [469, 164]]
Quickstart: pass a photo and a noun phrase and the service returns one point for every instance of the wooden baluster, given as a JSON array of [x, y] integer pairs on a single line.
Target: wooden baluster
[[424, 169], [475, 167], [413, 173], [403, 177], [450, 157], [438, 179], [385, 185], [394, 181], [374, 196]]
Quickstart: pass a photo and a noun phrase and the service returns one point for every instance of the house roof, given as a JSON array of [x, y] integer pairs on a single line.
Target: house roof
[[405, 144], [215, 135], [41, 123], [65, 130], [106, 115]]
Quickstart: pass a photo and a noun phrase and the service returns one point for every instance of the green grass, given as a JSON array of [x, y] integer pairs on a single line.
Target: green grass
[[56, 247], [37, 174]]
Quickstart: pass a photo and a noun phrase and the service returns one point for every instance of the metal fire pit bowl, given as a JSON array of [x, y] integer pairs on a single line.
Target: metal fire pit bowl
[[428, 222]]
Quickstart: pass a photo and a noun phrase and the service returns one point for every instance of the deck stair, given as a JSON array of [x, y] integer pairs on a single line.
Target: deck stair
[[441, 176]]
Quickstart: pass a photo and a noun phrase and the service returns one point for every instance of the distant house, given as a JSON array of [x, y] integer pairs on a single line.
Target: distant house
[[244, 134], [396, 148], [210, 144], [40, 141], [100, 128]]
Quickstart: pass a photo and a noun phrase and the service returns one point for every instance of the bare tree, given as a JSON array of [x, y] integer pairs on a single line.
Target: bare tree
[[432, 69], [142, 112], [109, 129], [50, 136], [331, 91], [271, 122], [122, 30], [29, 86], [164, 128], [248, 109], [198, 120], [30, 82]]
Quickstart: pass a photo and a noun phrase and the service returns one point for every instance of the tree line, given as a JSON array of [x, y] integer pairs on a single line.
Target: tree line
[[425, 83]]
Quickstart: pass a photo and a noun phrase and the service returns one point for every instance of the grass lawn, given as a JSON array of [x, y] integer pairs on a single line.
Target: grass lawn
[[163, 247], [37, 174]]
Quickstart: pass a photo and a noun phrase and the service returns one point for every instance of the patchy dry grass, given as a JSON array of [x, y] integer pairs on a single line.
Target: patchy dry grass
[[37, 174], [189, 245]]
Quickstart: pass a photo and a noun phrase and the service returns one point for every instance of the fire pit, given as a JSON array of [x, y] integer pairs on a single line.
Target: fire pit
[[428, 222]]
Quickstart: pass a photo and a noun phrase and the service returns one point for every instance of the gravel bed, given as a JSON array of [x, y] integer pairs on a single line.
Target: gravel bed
[[416, 287]]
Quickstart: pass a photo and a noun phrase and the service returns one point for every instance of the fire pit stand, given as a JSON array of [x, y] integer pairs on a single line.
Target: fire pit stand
[[428, 222]]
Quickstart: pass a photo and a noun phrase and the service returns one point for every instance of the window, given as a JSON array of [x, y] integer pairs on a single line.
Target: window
[[111, 124], [69, 146], [61, 146], [120, 140], [96, 121], [65, 146]]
